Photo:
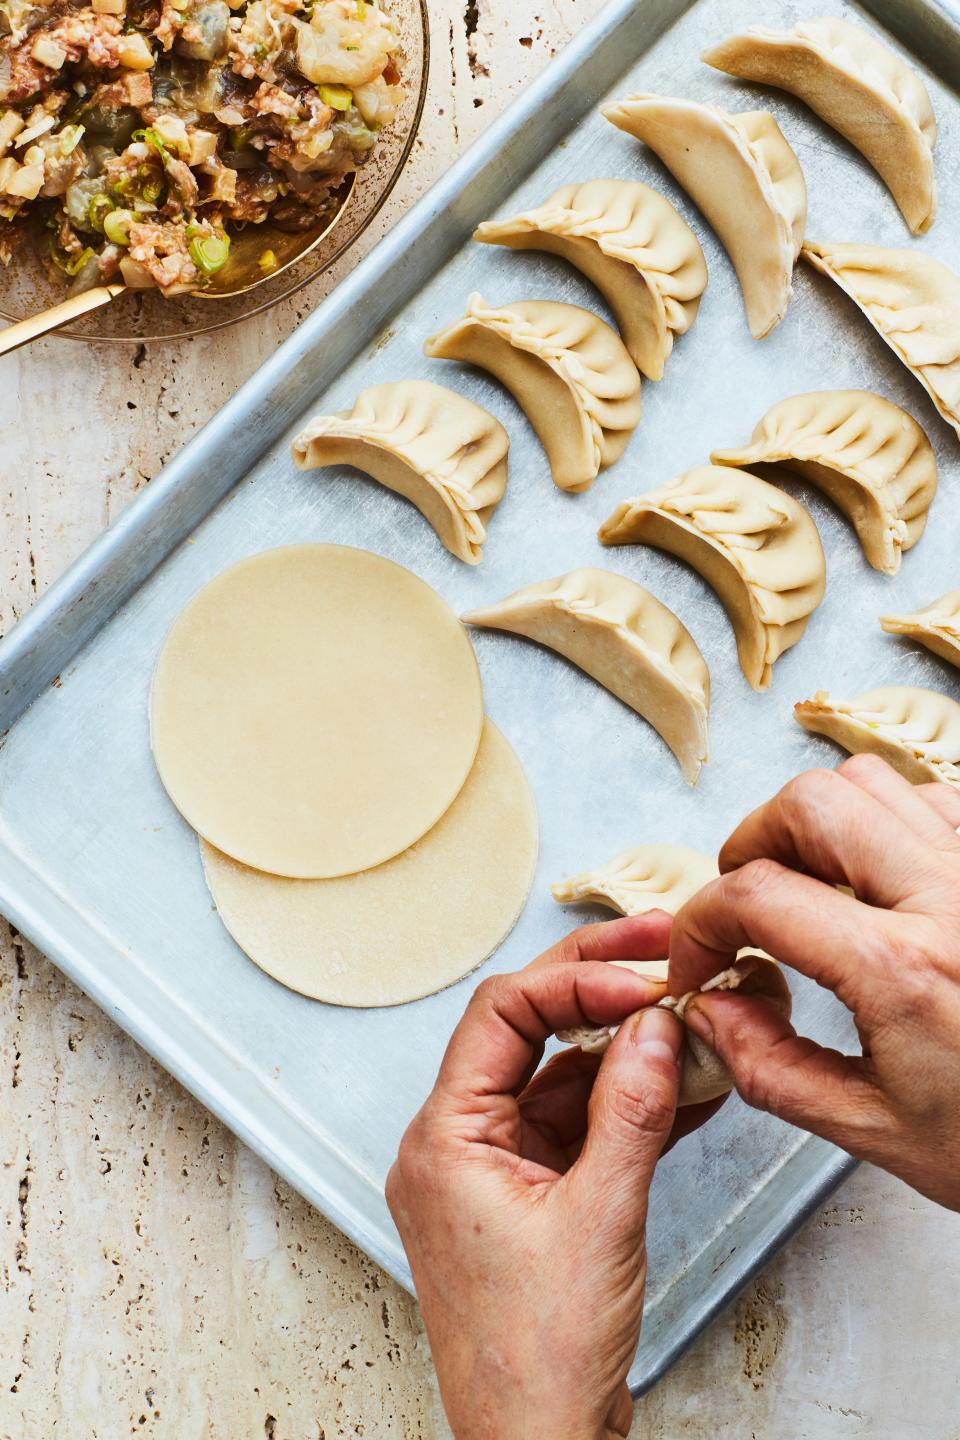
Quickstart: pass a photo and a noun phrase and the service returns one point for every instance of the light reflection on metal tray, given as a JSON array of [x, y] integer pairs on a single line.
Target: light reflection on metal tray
[[97, 868]]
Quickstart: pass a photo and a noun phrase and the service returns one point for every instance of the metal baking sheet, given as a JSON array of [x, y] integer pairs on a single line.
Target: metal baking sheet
[[100, 872]]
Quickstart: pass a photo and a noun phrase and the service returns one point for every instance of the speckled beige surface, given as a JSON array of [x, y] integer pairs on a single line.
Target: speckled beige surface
[[155, 1278]]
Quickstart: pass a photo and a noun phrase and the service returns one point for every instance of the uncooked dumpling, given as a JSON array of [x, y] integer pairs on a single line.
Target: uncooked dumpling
[[567, 370], [631, 243], [648, 877], [624, 638], [913, 301], [429, 444], [867, 454], [741, 172], [916, 731], [315, 710], [703, 1075], [410, 926], [756, 546], [664, 877], [859, 86], [937, 626]]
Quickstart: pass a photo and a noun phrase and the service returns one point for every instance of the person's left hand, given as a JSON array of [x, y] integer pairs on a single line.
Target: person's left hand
[[521, 1198]]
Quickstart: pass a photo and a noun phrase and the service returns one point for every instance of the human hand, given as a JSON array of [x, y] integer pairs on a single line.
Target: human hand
[[521, 1197], [891, 954]]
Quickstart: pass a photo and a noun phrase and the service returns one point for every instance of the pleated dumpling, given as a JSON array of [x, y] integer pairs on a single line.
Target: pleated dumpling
[[741, 172], [859, 86], [568, 371], [870, 457], [756, 545], [937, 626], [916, 731], [429, 444], [913, 301], [634, 247], [623, 637], [648, 877]]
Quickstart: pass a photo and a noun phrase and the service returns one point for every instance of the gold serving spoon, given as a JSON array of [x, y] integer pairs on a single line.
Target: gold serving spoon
[[243, 271]]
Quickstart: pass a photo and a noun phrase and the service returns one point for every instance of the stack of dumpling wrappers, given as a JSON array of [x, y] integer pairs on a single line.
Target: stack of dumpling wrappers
[[317, 716]]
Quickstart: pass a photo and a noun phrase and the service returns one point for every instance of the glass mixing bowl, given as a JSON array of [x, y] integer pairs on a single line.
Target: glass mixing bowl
[[27, 286]]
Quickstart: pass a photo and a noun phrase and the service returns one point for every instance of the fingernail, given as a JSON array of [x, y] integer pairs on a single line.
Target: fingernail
[[699, 1022], [656, 1032]]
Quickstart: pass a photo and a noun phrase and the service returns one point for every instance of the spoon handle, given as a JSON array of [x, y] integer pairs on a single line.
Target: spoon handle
[[24, 331]]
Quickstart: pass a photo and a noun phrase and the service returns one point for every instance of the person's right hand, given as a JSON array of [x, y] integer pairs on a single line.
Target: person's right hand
[[891, 954]]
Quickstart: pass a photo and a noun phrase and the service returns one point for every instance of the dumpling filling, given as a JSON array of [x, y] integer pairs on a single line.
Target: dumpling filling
[[141, 133]]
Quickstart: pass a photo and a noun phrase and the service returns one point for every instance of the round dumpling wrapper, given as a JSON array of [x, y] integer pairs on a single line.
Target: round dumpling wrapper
[[315, 710], [409, 927]]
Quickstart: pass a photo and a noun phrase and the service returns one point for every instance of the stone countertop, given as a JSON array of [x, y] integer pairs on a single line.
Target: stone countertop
[[156, 1279]]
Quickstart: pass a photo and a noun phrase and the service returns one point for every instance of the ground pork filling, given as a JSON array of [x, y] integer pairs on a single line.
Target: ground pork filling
[[136, 135]]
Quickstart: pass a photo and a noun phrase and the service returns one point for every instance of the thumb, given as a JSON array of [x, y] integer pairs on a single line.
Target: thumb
[[631, 1112], [777, 1070]]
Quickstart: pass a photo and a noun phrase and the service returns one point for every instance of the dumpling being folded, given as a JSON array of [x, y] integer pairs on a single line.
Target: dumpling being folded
[[632, 245], [741, 172], [567, 370], [859, 86], [623, 637], [648, 877], [756, 545], [429, 444], [937, 626], [703, 1075], [664, 877], [913, 301], [869, 456], [916, 731]]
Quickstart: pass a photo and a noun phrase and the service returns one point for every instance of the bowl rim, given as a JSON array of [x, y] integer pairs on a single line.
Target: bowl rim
[[294, 289]]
